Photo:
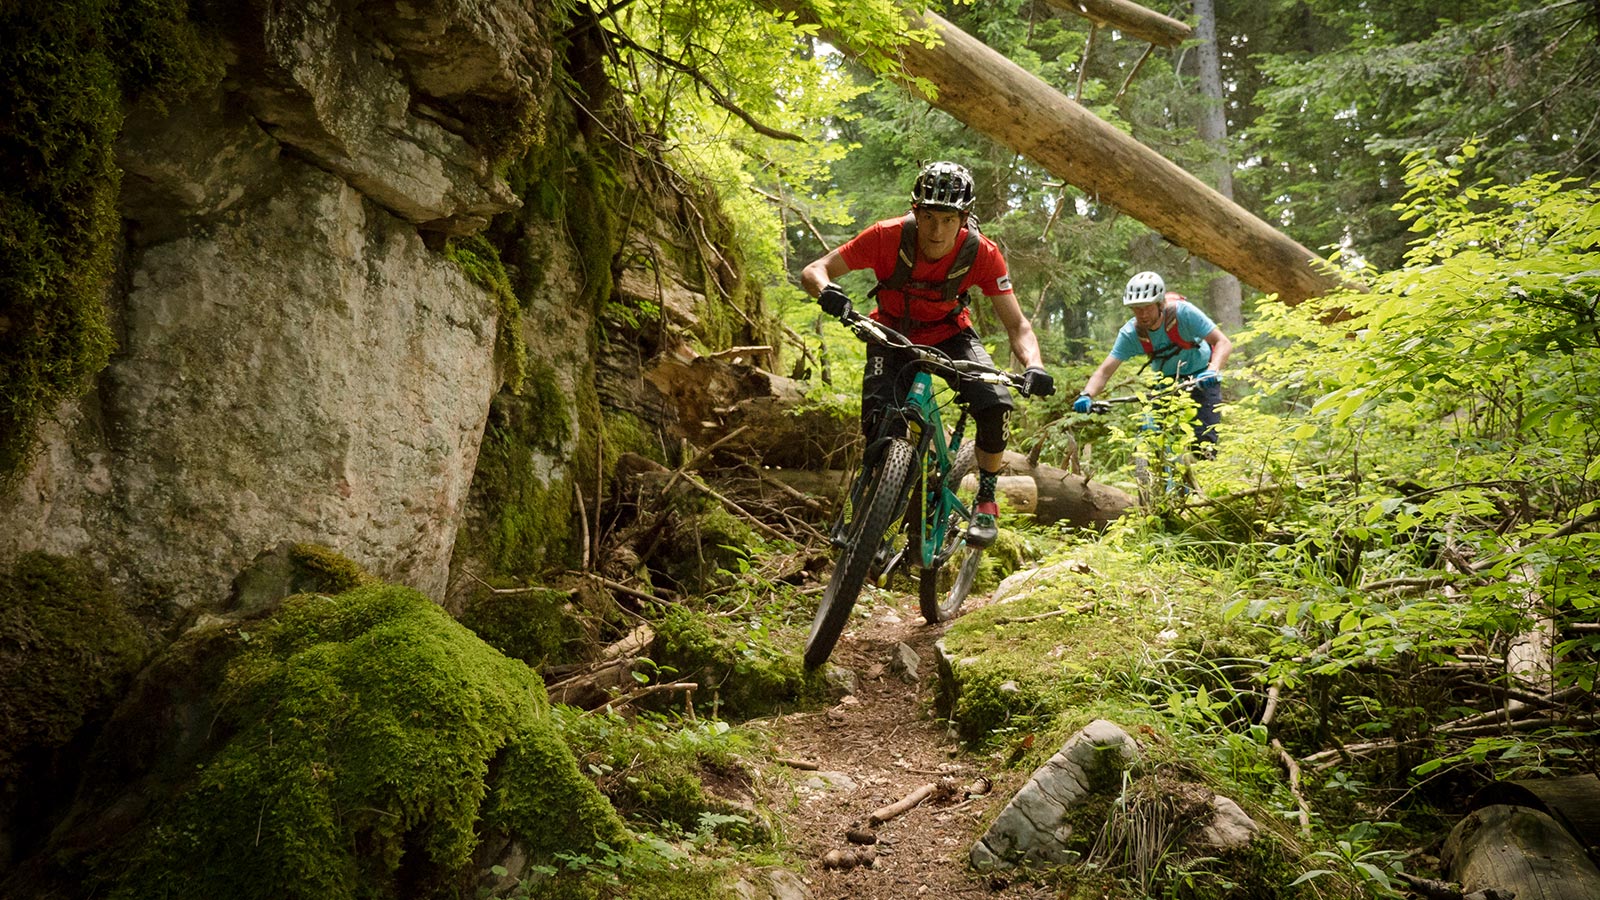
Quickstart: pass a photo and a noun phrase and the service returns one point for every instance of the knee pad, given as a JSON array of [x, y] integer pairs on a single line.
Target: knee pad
[[994, 428]]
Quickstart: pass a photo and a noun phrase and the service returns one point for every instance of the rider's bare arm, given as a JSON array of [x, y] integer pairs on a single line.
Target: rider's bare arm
[[1024, 343], [821, 271], [1102, 375], [1220, 348]]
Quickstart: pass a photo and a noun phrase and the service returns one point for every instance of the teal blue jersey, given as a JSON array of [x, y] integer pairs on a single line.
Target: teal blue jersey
[[1193, 326]]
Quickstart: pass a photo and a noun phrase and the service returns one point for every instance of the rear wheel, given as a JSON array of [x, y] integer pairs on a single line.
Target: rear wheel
[[869, 520], [944, 587]]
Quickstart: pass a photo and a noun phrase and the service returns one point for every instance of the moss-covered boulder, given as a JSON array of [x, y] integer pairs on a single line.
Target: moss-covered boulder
[[370, 743], [539, 626], [742, 670], [68, 648]]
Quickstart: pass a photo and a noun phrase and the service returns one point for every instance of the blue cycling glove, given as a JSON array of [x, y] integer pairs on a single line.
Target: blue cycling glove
[[833, 300], [1208, 377], [1083, 404]]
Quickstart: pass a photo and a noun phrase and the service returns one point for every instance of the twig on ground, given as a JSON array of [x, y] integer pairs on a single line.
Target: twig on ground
[[903, 805]]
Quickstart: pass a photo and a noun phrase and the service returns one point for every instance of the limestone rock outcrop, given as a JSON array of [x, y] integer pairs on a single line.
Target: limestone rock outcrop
[[296, 358]]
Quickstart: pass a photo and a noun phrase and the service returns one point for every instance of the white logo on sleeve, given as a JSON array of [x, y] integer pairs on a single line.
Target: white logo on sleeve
[[1004, 283]]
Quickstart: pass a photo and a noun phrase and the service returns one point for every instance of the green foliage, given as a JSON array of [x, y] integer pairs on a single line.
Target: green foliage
[[68, 649], [745, 670], [72, 67], [1338, 95], [368, 738], [654, 770], [536, 625]]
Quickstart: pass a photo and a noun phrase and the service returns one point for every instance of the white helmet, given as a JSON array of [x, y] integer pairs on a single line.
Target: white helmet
[[1145, 287]]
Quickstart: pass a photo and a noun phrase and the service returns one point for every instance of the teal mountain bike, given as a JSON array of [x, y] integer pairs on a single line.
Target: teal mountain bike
[[908, 502]]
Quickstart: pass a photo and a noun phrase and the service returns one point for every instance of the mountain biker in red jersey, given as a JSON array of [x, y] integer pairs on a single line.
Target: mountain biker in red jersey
[[927, 262]]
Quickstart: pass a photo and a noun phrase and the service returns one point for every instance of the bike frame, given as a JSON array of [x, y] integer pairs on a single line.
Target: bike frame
[[934, 454]]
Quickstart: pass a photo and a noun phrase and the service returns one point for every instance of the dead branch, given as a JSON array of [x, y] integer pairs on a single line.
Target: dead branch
[[736, 351], [809, 501], [804, 764], [902, 806], [672, 688], [1294, 786], [735, 508], [1012, 620], [717, 96], [1271, 709]]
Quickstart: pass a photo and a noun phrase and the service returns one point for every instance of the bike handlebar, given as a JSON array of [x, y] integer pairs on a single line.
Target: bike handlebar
[[870, 330], [1104, 406]]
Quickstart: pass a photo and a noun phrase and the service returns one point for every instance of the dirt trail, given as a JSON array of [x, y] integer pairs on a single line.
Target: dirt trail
[[887, 741]]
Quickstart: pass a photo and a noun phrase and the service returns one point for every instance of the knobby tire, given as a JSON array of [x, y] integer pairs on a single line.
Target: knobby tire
[[866, 529], [942, 589]]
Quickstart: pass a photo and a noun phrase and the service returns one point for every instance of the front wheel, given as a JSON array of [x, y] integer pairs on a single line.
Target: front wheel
[[943, 588], [870, 519]]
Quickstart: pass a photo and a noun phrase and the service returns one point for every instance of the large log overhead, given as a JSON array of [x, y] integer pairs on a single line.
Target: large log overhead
[[995, 96], [1129, 18]]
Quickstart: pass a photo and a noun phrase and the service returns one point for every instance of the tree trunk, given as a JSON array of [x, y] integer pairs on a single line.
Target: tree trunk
[[1000, 99], [1129, 18], [1522, 850], [1050, 494], [1224, 297]]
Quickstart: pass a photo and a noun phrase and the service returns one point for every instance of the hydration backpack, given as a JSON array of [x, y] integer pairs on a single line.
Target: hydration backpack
[[1169, 324], [950, 287]]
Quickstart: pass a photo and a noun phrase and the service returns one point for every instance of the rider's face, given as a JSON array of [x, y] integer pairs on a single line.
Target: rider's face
[[936, 232], [1148, 315]]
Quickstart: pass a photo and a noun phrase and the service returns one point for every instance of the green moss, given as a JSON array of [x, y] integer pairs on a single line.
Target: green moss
[[68, 649], [373, 738], [627, 433], [535, 626], [528, 510], [325, 571], [654, 767], [71, 67], [706, 547], [743, 669], [480, 262]]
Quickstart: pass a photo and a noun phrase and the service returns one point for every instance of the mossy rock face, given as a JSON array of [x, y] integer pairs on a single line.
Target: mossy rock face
[[68, 649], [371, 742], [71, 66]]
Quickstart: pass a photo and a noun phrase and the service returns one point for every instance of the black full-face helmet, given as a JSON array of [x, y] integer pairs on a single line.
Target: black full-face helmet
[[943, 185]]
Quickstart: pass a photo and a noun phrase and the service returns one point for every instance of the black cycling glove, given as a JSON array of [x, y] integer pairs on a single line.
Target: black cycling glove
[[1036, 382], [833, 300]]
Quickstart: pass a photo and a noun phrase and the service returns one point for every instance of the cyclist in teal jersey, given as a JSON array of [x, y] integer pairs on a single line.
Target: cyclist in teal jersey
[[1179, 340]]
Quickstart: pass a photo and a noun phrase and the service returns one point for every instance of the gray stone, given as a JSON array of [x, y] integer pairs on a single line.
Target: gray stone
[[1030, 827], [1230, 827], [830, 781], [772, 884], [903, 661]]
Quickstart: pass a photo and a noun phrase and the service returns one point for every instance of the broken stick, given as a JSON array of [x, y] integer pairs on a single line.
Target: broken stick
[[902, 806]]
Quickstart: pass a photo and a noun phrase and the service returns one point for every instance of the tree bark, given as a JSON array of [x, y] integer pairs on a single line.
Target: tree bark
[[1000, 99], [1129, 18], [1223, 294], [1522, 850]]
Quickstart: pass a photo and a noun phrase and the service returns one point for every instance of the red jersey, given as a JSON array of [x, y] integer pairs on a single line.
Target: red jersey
[[877, 249]]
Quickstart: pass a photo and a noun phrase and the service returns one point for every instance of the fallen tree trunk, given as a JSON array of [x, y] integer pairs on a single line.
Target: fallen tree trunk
[[1129, 18], [1050, 494], [1000, 99], [1516, 849]]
